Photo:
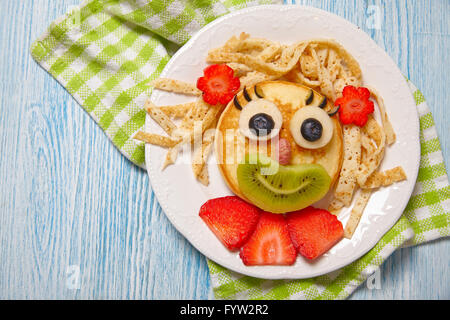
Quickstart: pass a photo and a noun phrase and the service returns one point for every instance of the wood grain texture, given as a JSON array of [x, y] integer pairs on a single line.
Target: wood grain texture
[[68, 197]]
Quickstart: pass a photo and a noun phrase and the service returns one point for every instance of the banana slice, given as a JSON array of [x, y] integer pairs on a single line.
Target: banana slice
[[260, 120], [311, 127]]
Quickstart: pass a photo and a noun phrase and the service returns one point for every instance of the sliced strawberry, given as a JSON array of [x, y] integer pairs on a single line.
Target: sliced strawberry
[[218, 84], [355, 105], [231, 219], [270, 244], [314, 231]]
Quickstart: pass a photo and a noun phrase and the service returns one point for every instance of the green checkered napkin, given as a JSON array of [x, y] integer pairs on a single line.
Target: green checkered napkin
[[105, 52]]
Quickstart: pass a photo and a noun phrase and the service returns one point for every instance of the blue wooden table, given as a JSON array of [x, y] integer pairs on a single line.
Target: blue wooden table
[[79, 221]]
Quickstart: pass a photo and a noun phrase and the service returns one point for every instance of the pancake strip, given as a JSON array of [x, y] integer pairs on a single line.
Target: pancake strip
[[351, 62], [155, 139], [239, 69], [385, 178], [352, 156], [371, 161], [387, 126], [335, 206], [296, 75], [367, 144], [202, 113], [171, 156], [177, 110], [199, 118], [202, 152], [356, 214], [253, 77], [160, 117], [176, 86], [326, 85], [203, 177], [185, 126], [333, 64], [288, 59]]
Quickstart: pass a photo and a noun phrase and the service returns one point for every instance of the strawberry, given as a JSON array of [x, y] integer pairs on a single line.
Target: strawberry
[[231, 219], [355, 105], [270, 243], [284, 151], [314, 231], [218, 84]]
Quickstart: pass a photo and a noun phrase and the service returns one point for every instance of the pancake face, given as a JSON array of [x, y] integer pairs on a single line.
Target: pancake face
[[231, 145]]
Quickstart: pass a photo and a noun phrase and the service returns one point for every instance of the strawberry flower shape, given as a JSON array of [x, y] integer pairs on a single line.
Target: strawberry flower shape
[[218, 84], [354, 106]]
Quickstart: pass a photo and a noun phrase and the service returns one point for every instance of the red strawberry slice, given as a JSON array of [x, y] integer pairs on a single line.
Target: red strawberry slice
[[218, 84], [270, 244], [355, 105], [231, 219], [314, 231]]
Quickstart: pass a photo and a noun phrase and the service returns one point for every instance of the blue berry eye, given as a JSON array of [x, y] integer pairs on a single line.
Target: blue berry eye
[[260, 120], [311, 129], [262, 124]]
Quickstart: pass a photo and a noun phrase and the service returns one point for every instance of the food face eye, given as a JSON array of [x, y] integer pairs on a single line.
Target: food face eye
[[261, 123], [260, 120], [311, 127]]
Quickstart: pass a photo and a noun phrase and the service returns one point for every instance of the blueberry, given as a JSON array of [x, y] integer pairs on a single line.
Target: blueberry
[[311, 129], [261, 124]]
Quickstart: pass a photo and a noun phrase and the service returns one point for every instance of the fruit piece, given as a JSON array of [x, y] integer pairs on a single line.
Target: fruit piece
[[270, 243], [311, 129], [314, 231], [355, 105], [313, 138], [323, 103], [246, 95], [260, 120], [310, 98], [261, 124], [284, 151], [236, 103], [334, 112], [218, 84], [231, 219], [279, 189]]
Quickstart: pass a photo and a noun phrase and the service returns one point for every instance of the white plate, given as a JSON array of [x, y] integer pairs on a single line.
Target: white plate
[[181, 196]]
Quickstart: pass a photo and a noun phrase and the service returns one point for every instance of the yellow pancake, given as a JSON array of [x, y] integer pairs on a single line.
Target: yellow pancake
[[231, 146]]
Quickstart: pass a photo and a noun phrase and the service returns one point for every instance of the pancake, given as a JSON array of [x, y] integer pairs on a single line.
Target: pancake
[[231, 146]]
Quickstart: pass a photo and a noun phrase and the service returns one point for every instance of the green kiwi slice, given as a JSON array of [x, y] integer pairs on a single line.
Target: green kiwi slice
[[279, 189]]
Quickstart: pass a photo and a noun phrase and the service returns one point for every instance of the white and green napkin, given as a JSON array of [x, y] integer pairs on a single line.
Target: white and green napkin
[[105, 52]]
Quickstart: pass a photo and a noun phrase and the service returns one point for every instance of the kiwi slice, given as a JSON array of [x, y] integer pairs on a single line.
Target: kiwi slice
[[279, 189]]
